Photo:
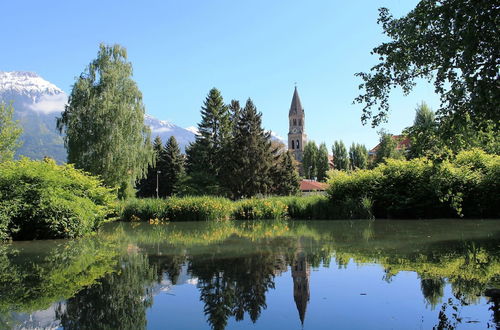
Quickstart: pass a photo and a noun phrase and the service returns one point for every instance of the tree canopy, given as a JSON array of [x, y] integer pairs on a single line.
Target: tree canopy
[[453, 43], [309, 161], [9, 133], [340, 156], [104, 122]]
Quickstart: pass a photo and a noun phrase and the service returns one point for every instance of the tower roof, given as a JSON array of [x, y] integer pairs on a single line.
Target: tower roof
[[296, 106]]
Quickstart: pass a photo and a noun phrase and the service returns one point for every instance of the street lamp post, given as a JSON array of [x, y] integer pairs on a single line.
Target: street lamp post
[[157, 189]]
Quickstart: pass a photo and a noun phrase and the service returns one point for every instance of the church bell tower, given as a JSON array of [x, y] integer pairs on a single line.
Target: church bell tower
[[296, 133]]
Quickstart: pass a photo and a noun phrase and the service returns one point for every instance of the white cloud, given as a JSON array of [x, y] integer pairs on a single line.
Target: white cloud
[[50, 103]]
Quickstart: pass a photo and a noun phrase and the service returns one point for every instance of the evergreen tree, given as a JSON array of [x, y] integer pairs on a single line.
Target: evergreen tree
[[103, 122], [340, 157], [234, 111], [322, 162], [285, 175], [309, 160], [147, 186], [206, 156], [251, 159], [174, 166], [9, 133], [358, 156]]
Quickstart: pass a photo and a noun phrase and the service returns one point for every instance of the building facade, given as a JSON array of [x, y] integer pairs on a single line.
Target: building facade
[[297, 137]]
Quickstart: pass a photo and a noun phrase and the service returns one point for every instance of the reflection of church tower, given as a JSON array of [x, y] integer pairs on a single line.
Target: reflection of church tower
[[300, 274], [296, 133]]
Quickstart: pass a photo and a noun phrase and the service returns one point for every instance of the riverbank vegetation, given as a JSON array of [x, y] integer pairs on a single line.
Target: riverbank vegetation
[[465, 186], [40, 200], [219, 208]]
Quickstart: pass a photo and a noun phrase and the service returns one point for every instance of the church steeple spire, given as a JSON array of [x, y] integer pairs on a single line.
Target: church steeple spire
[[296, 134], [296, 106]]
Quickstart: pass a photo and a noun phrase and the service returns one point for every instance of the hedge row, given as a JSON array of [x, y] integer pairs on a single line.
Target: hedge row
[[466, 186]]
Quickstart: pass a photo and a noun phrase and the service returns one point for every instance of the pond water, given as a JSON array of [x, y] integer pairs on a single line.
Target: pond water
[[382, 274]]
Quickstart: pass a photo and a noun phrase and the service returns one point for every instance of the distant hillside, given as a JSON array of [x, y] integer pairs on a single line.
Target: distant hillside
[[38, 102]]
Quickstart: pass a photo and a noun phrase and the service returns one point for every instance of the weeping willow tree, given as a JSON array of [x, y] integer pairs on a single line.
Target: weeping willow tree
[[104, 122]]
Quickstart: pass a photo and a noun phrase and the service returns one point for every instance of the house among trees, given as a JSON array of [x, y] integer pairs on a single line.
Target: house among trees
[[311, 187], [401, 142]]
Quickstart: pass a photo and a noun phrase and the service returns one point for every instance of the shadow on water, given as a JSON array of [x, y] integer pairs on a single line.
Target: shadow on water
[[111, 280]]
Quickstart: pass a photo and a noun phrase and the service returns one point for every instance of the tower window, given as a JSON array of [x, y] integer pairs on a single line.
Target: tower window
[[300, 122], [293, 144], [298, 144], [295, 122]]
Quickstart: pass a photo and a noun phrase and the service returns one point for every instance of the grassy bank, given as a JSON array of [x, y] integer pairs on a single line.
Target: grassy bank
[[217, 208]]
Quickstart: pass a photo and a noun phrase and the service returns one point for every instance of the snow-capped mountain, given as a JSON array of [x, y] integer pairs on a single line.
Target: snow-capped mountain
[[37, 102], [166, 129]]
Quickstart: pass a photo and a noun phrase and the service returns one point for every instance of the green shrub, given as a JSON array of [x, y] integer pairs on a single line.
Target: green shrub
[[465, 186], [40, 200], [470, 184], [260, 209], [177, 209], [320, 207], [214, 208]]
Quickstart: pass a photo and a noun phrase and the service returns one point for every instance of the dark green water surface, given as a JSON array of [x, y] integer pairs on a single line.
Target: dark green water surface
[[382, 274]]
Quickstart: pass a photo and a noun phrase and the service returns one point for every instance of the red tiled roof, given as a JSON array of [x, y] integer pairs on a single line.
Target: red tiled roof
[[403, 143], [309, 185]]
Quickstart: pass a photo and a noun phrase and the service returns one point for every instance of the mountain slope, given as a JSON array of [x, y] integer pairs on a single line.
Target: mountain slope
[[38, 102]]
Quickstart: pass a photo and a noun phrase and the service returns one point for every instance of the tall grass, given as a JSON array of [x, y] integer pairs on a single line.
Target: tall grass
[[217, 208], [177, 209]]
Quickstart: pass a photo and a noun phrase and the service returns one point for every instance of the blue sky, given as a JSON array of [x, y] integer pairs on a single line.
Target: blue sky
[[257, 49]]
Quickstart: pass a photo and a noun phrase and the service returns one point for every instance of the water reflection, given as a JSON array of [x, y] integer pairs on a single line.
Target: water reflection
[[112, 280]]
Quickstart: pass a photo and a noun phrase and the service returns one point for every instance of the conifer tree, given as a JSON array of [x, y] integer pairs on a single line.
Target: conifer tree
[[322, 162], [251, 158], [147, 186], [206, 156], [285, 175], [340, 157], [174, 166], [309, 160], [358, 156], [104, 122], [234, 111]]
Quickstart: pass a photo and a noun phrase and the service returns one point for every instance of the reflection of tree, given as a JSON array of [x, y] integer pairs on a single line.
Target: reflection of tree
[[495, 308], [167, 264], [232, 286], [432, 289], [40, 274], [449, 316], [116, 301]]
